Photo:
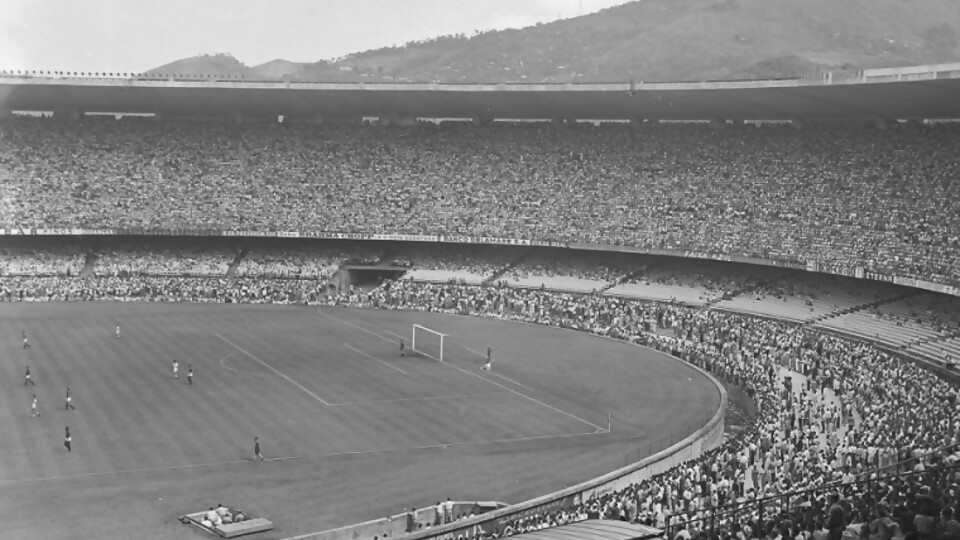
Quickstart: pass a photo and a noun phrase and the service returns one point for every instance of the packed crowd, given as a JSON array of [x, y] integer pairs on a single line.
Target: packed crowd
[[467, 259], [883, 200], [163, 289], [133, 260], [290, 263], [42, 260], [890, 412], [605, 270]]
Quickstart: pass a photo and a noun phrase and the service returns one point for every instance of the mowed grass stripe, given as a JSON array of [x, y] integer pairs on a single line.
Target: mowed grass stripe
[[295, 422], [214, 419], [50, 345], [136, 401], [44, 434], [321, 360], [424, 372], [97, 424], [172, 401], [467, 371], [23, 435]]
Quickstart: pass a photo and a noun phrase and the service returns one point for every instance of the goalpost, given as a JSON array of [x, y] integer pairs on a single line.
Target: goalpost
[[427, 342]]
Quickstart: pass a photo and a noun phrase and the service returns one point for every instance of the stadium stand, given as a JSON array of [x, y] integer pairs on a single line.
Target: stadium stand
[[59, 260], [843, 424], [693, 283], [801, 439], [882, 200], [806, 297], [467, 264], [866, 423]]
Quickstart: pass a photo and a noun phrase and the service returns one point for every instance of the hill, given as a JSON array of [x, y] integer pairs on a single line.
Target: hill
[[277, 69], [676, 40], [207, 64]]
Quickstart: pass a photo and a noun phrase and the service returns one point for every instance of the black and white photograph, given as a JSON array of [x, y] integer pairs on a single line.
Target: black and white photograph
[[454, 270]]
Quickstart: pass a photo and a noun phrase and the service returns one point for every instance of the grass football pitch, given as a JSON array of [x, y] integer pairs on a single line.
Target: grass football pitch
[[350, 430]]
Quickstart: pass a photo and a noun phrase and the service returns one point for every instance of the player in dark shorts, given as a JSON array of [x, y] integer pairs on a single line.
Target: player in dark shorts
[[190, 373], [26, 378], [68, 440], [26, 342], [257, 456], [402, 347]]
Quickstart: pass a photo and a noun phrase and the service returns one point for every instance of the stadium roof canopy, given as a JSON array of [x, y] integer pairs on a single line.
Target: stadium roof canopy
[[933, 95]]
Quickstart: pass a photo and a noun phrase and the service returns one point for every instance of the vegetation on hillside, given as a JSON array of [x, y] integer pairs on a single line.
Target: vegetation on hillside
[[673, 40]]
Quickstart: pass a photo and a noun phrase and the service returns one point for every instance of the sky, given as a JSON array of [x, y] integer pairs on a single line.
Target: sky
[[137, 35]]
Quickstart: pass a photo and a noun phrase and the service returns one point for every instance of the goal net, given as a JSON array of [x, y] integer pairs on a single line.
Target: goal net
[[427, 342]]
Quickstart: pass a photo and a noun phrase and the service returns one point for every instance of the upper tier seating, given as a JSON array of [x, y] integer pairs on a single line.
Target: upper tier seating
[[884, 200]]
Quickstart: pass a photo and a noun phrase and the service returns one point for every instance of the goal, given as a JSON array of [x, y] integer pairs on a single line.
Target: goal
[[427, 342]]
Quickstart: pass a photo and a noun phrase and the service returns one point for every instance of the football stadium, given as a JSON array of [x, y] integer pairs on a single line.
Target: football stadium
[[302, 310]]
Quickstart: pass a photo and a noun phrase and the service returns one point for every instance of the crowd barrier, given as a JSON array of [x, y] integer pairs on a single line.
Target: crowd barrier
[[399, 524]]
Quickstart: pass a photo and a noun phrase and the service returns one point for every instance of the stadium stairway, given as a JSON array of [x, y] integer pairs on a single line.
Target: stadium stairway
[[626, 278], [232, 269], [931, 339], [858, 307], [751, 288], [89, 264], [506, 268]]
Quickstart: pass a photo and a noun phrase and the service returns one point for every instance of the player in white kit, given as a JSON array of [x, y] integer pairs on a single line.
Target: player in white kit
[[176, 368]]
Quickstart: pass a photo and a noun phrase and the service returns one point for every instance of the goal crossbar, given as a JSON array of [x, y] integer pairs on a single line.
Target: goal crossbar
[[413, 342]]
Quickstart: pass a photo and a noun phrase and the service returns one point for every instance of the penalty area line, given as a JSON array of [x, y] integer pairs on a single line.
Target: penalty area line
[[599, 429], [361, 353], [419, 398], [145, 470], [271, 368]]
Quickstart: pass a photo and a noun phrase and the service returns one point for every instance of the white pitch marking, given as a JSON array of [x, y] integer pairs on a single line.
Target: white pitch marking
[[491, 381], [460, 444], [389, 365], [362, 329], [273, 369], [443, 446], [495, 374], [225, 366], [424, 398], [145, 470], [298, 458]]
